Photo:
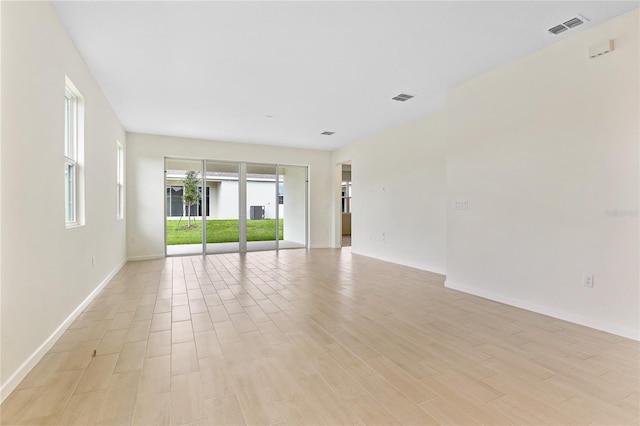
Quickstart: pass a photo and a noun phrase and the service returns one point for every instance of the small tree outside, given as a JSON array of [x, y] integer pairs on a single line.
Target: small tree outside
[[191, 195]]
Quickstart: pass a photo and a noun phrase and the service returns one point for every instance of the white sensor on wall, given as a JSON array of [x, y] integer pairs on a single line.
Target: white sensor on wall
[[462, 205], [600, 49]]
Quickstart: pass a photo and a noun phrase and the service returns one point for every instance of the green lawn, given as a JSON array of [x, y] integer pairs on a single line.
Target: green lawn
[[221, 231]]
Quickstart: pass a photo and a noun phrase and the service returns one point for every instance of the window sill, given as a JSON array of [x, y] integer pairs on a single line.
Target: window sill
[[74, 225]]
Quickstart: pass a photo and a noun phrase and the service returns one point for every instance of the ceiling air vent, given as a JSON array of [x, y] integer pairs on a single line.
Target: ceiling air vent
[[574, 22], [558, 29], [327, 133], [567, 25], [402, 97]]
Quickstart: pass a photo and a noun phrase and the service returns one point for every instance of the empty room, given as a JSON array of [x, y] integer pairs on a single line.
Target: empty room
[[319, 213]]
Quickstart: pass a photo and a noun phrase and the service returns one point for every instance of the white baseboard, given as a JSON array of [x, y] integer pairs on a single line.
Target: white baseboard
[[427, 268], [145, 257], [15, 379], [545, 310]]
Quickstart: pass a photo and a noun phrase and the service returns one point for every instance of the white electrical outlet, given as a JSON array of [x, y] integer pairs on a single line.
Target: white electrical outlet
[[587, 281]]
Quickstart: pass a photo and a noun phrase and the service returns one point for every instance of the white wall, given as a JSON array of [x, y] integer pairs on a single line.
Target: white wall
[[2, 382], [261, 194], [541, 149], [399, 202], [46, 268], [145, 184], [227, 200]]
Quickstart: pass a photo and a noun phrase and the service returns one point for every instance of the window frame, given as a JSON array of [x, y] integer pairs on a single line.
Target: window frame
[[120, 199], [71, 157]]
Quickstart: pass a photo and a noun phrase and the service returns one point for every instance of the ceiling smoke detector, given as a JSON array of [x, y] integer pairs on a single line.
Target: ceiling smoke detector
[[326, 133], [567, 25], [402, 97]]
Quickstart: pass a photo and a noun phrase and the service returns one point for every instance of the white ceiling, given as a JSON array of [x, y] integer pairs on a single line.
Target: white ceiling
[[214, 70]]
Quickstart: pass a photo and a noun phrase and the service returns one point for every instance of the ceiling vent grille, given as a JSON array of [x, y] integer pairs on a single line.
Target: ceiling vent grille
[[402, 97], [558, 29], [326, 133], [567, 25], [574, 22]]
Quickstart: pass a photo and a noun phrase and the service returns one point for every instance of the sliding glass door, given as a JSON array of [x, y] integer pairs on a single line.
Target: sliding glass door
[[292, 198], [185, 204], [223, 227], [262, 207], [243, 206]]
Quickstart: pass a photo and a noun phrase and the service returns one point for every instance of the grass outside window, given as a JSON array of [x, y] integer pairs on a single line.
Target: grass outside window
[[221, 231]]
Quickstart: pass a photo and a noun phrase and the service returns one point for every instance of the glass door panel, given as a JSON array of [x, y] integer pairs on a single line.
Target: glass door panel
[[262, 207], [184, 202], [292, 197], [223, 181]]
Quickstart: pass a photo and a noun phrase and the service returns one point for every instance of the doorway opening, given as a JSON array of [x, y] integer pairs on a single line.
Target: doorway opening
[[346, 192]]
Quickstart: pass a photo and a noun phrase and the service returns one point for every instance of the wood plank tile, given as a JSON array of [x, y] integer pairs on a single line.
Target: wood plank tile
[[160, 322], [184, 358], [226, 332], [242, 322], [159, 343], [344, 386], [79, 357], [349, 361], [155, 377], [131, 357], [83, 408], [413, 389], [181, 332], [207, 344], [319, 337], [120, 396], [225, 410], [153, 410], [112, 342], [201, 322], [370, 412], [187, 399], [43, 371], [180, 313], [97, 374], [446, 413], [297, 410], [215, 376], [277, 379], [395, 403], [331, 409], [257, 406]]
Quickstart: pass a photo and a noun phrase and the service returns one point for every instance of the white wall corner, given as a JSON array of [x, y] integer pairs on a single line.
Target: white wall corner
[[15, 379], [545, 310]]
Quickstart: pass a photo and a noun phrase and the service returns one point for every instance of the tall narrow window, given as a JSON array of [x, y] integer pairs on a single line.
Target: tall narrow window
[[70, 158], [73, 128], [120, 181]]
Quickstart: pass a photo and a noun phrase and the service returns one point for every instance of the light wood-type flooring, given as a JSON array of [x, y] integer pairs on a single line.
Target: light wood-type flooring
[[319, 337]]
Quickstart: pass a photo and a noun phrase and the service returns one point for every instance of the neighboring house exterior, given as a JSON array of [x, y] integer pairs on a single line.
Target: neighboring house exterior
[[221, 196]]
